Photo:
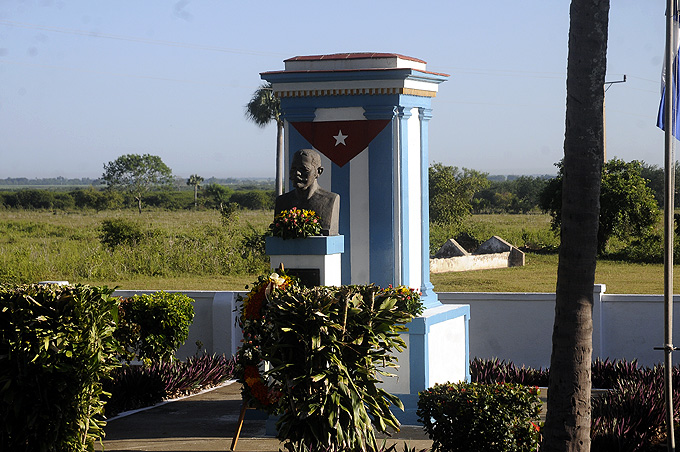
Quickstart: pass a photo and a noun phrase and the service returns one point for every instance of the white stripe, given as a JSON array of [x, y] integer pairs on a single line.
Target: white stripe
[[359, 219], [339, 114], [414, 201], [396, 190]]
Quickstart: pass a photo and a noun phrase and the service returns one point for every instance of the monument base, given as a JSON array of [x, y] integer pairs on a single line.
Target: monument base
[[437, 351], [315, 260]]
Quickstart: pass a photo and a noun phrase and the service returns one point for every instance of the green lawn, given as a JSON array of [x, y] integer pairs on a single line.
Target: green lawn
[[194, 250], [540, 275]]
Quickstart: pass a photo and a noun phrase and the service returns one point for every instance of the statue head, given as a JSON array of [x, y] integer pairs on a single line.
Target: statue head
[[305, 169]]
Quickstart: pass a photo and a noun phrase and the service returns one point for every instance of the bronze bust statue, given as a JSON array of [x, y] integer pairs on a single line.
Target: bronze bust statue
[[307, 194]]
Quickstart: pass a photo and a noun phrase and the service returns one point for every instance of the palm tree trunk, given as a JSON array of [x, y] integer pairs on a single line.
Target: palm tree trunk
[[279, 158], [196, 195], [567, 426]]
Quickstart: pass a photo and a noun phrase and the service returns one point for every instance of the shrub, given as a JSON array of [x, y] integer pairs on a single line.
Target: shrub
[[133, 387], [90, 198], [56, 344], [253, 199], [606, 374], [474, 417], [631, 416], [496, 371], [120, 231], [153, 326]]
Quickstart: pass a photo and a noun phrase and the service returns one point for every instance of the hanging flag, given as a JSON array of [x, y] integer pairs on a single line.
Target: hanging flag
[[660, 121], [340, 141]]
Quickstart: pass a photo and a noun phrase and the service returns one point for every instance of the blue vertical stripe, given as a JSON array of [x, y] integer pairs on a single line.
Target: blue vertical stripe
[[381, 208]]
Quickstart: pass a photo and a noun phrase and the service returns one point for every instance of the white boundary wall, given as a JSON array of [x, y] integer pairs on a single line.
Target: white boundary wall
[[513, 327], [517, 327]]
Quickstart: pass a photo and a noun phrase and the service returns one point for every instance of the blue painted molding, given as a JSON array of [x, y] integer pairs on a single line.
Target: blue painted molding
[[300, 114], [318, 245]]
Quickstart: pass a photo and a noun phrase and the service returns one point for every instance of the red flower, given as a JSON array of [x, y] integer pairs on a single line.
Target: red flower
[[254, 303]]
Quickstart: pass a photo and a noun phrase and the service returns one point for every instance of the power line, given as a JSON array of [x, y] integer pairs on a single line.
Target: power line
[[113, 74], [94, 34]]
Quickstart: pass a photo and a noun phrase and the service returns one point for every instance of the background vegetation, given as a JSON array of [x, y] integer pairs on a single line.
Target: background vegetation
[[195, 250], [215, 241]]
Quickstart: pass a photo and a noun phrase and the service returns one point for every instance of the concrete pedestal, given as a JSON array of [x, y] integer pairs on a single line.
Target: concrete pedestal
[[311, 254], [437, 352]]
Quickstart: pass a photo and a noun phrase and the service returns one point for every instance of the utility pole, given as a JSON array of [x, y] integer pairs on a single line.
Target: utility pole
[[607, 85]]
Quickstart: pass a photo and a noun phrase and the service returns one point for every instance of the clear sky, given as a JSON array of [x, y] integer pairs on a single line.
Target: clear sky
[[85, 81]]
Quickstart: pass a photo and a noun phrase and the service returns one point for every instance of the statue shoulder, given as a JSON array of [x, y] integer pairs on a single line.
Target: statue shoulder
[[330, 196], [285, 201]]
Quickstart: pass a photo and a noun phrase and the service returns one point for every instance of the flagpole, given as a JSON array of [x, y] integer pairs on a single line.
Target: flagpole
[[669, 205]]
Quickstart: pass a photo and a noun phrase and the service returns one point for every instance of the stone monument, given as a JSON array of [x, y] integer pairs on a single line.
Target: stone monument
[[368, 116]]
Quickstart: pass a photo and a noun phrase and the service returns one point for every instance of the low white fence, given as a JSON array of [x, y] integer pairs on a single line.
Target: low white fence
[[514, 327], [517, 327]]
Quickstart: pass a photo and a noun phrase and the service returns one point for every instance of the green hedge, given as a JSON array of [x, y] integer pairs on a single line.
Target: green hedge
[[465, 417], [153, 326], [56, 345]]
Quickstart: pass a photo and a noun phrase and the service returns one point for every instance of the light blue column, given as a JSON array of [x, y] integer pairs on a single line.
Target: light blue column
[[429, 297], [404, 114]]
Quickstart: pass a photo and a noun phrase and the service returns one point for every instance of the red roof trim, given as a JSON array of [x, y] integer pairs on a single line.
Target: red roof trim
[[351, 56]]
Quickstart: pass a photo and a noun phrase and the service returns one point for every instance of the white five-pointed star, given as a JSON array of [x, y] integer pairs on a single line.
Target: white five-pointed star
[[340, 138]]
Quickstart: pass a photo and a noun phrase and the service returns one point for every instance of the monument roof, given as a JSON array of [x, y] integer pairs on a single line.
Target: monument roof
[[353, 55], [354, 73], [354, 61]]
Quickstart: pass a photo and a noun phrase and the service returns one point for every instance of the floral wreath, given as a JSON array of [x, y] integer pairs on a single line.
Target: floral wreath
[[255, 389]]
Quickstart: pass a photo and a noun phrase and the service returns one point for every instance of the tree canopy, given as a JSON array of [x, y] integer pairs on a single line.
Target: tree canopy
[[195, 181], [136, 174], [627, 204], [263, 108], [451, 192]]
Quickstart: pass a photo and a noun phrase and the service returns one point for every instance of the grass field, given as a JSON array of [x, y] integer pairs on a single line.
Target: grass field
[[196, 250]]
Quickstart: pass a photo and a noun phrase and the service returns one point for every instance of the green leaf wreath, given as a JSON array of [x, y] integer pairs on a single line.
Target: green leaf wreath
[[326, 350]]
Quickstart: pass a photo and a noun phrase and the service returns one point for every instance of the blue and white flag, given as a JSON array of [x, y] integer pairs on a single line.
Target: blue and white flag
[[661, 118]]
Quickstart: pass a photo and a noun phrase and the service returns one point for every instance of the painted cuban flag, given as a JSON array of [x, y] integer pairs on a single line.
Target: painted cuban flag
[[340, 141]]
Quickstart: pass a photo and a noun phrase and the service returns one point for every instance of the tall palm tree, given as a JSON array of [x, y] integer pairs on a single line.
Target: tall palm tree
[[263, 108], [567, 426], [195, 180]]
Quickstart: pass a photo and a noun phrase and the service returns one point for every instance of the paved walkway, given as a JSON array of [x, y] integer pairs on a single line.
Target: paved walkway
[[206, 422]]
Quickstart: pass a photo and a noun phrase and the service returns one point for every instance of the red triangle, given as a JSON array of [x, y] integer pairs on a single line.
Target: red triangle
[[341, 141]]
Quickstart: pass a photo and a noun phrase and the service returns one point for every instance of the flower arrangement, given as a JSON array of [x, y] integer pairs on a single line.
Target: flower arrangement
[[296, 223], [249, 356]]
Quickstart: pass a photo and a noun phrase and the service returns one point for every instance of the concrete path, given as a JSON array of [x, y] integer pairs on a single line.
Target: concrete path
[[207, 422]]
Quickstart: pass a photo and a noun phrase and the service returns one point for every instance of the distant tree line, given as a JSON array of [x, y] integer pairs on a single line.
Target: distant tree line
[[454, 193], [55, 181], [212, 197]]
